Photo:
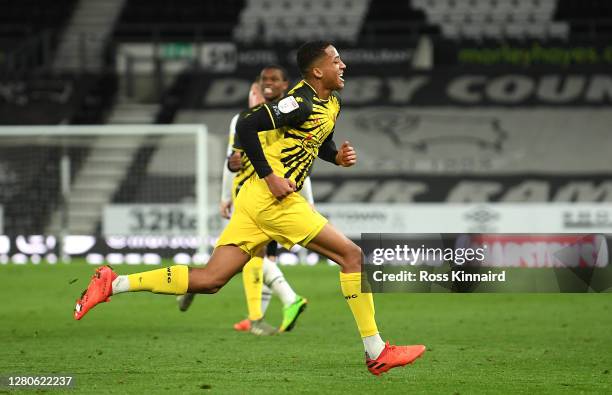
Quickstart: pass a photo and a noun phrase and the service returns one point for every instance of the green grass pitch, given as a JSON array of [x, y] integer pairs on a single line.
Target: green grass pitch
[[140, 343]]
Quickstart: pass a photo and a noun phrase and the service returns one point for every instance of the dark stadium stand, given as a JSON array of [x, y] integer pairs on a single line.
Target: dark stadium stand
[[31, 94], [271, 21], [514, 19], [46, 98], [395, 21], [97, 101], [29, 32], [34, 192], [266, 21], [172, 20], [51, 98], [475, 19], [588, 19]]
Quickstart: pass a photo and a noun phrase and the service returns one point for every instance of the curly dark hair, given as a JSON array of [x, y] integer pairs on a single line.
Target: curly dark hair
[[308, 52]]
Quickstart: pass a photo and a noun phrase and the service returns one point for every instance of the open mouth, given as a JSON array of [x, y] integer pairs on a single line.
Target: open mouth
[[267, 91], [341, 77]]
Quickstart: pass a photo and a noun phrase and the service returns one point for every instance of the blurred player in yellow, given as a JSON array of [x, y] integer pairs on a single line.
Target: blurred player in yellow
[[261, 276], [297, 129]]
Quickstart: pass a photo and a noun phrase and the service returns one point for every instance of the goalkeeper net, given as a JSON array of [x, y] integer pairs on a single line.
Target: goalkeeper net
[[105, 181]]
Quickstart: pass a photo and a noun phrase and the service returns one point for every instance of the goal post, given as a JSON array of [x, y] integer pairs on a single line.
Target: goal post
[[58, 180]]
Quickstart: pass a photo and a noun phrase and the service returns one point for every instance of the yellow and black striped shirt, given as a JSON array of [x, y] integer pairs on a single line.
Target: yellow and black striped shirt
[[246, 170], [301, 123]]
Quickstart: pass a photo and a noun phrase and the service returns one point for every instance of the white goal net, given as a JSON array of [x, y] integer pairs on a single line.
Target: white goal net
[[131, 185]]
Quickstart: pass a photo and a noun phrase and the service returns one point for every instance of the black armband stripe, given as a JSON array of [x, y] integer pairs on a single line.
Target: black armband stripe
[[328, 156], [247, 129], [328, 150]]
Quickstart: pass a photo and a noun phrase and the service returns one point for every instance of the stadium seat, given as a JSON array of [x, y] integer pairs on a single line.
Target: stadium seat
[[536, 30], [450, 31], [515, 30], [474, 18], [481, 6], [477, 17], [492, 30], [558, 30], [291, 21], [471, 31]]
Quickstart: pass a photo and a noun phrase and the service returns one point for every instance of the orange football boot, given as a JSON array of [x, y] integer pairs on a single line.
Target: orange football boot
[[392, 357], [99, 290], [243, 326]]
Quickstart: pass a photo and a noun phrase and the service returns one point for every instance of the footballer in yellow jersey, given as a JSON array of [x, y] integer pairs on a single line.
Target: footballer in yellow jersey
[[302, 129], [261, 276], [298, 128]]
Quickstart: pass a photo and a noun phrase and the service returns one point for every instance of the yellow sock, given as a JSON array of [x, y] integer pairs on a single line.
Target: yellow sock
[[252, 279], [361, 304], [171, 280]]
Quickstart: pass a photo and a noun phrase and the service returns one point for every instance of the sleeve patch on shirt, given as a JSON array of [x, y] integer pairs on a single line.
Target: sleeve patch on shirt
[[288, 104]]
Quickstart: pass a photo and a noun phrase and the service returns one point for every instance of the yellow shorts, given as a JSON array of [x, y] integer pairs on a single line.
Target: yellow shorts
[[259, 217]]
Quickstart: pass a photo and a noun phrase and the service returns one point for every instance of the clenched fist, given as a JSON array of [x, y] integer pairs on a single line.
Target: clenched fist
[[346, 155], [280, 187]]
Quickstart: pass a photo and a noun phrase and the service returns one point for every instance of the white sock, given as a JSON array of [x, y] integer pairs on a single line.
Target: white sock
[[275, 279], [266, 296], [121, 284], [373, 345]]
